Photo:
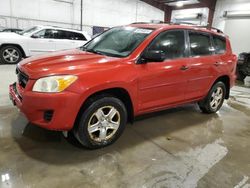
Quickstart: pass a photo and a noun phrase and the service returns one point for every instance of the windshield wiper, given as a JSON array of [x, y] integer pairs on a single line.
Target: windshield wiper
[[84, 48], [95, 51], [99, 52]]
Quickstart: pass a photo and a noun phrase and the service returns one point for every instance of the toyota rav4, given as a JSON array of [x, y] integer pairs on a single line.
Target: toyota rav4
[[93, 91]]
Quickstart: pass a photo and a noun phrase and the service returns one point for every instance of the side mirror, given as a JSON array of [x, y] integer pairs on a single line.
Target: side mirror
[[152, 56], [35, 36]]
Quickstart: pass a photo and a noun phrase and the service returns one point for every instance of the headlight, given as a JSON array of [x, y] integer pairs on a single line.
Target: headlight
[[53, 84]]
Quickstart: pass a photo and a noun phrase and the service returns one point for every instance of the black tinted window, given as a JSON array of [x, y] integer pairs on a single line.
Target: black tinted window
[[171, 43], [219, 44], [61, 34], [78, 36], [49, 34], [200, 44]]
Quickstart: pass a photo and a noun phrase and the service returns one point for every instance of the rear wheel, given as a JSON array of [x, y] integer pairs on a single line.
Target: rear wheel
[[10, 55], [101, 123], [215, 98]]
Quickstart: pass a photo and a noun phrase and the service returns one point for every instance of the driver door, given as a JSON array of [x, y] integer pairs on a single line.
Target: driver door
[[42, 42], [164, 83]]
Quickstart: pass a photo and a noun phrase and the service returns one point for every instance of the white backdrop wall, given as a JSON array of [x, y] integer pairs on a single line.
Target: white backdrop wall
[[187, 12], [66, 13], [236, 28], [228, 5]]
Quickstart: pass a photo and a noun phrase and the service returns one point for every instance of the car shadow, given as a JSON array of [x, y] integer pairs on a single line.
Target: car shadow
[[51, 147]]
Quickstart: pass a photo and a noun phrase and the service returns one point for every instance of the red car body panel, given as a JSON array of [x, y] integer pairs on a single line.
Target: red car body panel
[[146, 84]]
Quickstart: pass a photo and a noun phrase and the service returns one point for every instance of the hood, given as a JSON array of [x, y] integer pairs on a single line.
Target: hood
[[9, 35], [65, 62]]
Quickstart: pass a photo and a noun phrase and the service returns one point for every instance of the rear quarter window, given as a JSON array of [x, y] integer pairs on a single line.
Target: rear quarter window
[[78, 36]]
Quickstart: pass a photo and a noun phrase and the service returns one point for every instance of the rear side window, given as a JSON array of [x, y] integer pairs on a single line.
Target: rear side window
[[219, 44], [200, 44], [61, 34], [78, 36], [171, 43]]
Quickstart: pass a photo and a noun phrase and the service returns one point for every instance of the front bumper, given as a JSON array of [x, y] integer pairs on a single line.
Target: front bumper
[[64, 107]]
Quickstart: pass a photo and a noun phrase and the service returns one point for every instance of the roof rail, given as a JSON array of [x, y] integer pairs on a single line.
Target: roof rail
[[183, 23], [211, 28], [200, 26], [216, 29]]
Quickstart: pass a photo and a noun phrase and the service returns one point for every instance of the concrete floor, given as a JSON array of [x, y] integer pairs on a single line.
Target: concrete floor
[[180, 147]]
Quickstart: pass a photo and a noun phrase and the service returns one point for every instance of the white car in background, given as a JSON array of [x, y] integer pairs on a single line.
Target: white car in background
[[38, 40]]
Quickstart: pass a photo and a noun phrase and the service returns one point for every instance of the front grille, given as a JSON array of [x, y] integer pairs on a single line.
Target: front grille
[[48, 114], [22, 78]]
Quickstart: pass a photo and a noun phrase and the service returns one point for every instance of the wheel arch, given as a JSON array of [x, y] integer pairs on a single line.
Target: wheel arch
[[117, 92], [16, 45], [226, 80]]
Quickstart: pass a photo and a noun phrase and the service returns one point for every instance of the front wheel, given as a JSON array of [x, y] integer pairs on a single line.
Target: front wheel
[[10, 55], [214, 100], [101, 123]]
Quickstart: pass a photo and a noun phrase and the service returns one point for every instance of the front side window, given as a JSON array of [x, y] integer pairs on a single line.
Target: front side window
[[170, 43], [118, 42], [46, 34], [200, 44], [219, 44]]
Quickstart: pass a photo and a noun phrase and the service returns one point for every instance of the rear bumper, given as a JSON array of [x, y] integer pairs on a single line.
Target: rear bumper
[[64, 107]]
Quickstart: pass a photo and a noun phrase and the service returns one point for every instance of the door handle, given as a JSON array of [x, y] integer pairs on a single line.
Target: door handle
[[184, 67], [217, 64], [51, 40]]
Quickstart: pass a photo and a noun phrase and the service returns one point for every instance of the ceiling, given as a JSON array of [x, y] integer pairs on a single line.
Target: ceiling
[[177, 2], [181, 4]]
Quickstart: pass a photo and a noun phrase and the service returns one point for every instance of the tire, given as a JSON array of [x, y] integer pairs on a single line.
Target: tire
[[95, 127], [240, 76], [208, 105], [10, 55]]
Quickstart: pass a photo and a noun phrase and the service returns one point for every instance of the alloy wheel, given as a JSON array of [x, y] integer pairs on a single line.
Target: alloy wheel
[[216, 98], [104, 123], [11, 55]]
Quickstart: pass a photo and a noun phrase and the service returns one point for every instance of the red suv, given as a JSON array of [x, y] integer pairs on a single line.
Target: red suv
[[95, 90]]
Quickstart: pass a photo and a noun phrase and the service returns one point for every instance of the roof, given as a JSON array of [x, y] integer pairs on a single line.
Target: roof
[[56, 27], [178, 26]]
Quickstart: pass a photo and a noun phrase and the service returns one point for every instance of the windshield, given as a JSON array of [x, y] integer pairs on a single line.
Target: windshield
[[29, 30], [117, 42]]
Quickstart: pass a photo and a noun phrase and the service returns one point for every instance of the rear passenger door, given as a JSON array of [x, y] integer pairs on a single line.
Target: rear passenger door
[[202, 69], [69, 40], [222, 58], [62, 40]]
